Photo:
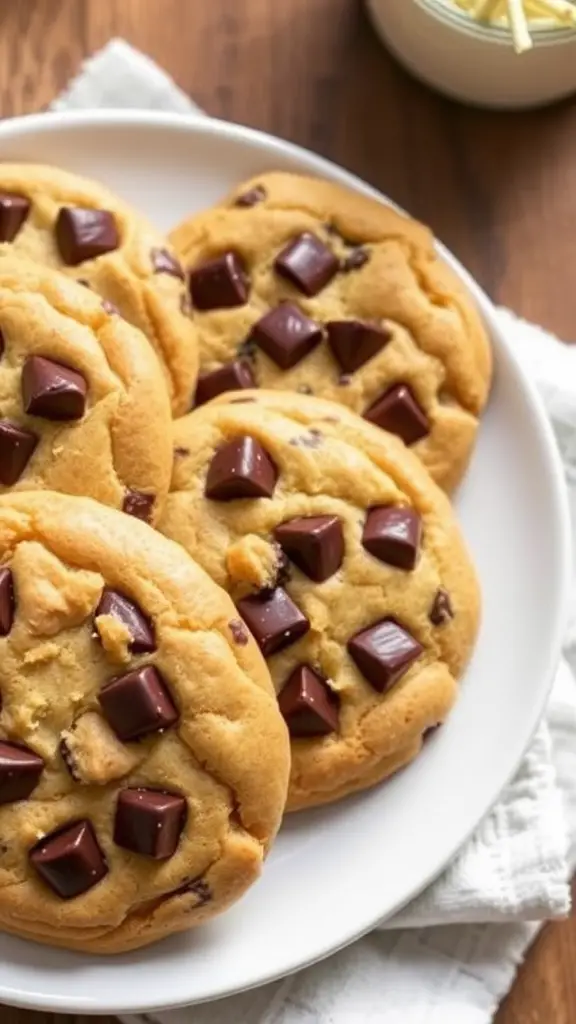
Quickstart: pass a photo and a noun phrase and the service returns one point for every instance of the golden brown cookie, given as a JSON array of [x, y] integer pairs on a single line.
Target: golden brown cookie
[[345, 561], [143, 762], [77, 226], [302, 285], [83, 407]]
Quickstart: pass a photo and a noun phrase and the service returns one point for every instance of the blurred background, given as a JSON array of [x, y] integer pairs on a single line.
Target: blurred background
[[497, 188]]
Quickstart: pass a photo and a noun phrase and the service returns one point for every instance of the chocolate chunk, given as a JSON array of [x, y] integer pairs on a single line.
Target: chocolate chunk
[[239, 632], [220, 283], [14, 210], [354, 260], [198, 887], [383, 653], [273, 619], [441, 611], [149, 822], [392, 535], [307, 263], [83, 233], [16, 448], [307, 704], [314, 543], [247, 348], [353, 343], [286, 335], [138, 504], [142, 640], [20, 771], [6, 601], [70, 860], [398, 411], [53, 391], [241, 468], [251, 197], [138, 703], [163, 262], [67, 757], [231, 377]]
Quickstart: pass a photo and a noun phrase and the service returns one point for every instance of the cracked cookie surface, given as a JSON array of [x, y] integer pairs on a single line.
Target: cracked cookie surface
[[303, 285], [143, 762], [347, 564], [83, 408], [79, 227]]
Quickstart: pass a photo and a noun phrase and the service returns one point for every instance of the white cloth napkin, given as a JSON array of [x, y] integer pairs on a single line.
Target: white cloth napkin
[[514, 872]]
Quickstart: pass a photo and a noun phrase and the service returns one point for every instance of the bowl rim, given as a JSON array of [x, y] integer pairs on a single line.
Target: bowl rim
[[460, 21], [51, 122]]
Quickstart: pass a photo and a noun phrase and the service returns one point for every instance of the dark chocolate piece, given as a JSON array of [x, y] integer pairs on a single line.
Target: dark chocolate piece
[[142, 640], [138, 703], [251, 197], [20, 771], [241, 468], [441, 611], [53, 391], [149, 822], [198, 887], [221, 283], [230, 377], [314, 543], [383, 653], [14, 210], [138, 504], [307, 263], [398, 411], [353, 342], [286, 335], [7, 602], [273, 619], [308, 705], [70, 860], [355, 259], [392, 534], [16, 448], [83, 233]]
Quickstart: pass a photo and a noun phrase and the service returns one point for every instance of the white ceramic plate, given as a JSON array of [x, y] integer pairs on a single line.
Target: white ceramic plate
[[335, 872]]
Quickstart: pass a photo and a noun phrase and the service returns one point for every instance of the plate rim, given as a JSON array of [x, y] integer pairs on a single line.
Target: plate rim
[[48, 122]]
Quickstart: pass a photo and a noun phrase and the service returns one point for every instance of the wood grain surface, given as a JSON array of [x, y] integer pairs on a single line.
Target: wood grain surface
[[499, 189]]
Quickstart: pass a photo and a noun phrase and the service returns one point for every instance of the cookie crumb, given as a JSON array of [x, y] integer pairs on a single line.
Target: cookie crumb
[[239, 632]]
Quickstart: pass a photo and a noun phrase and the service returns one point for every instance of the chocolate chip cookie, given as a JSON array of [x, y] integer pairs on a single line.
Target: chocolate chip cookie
[[83, 407], [302, 285], [346, 564], [143, 761], [81, 228]]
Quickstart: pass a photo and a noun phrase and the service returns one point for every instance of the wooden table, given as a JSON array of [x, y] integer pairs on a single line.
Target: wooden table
[[499, 189]]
